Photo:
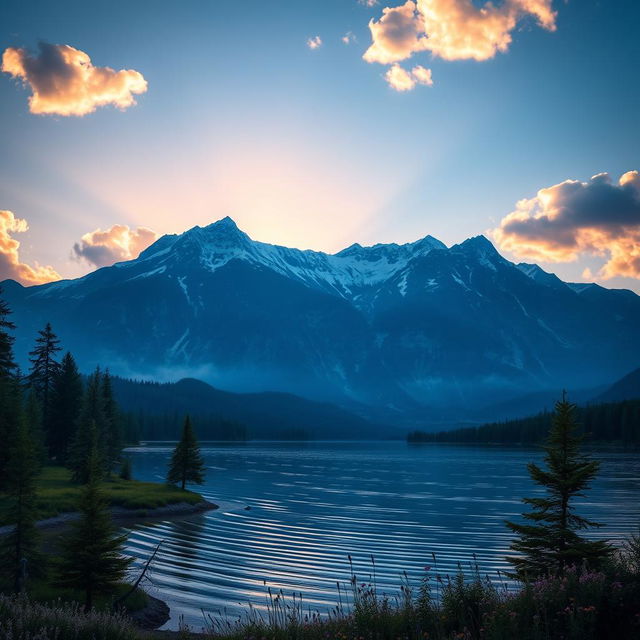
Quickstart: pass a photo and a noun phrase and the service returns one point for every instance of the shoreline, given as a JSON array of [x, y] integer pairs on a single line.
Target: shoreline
[[177, 509]]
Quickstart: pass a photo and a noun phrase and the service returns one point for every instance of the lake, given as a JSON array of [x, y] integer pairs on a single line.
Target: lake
[[313, 504]]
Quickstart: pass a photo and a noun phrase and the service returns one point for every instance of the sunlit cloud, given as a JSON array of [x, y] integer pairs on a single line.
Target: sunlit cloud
[[64, 82], [452, 29], [368, 3], [571, 219], [314, 43], [400, 79], [10, 265], [397, 35], [116, 244]]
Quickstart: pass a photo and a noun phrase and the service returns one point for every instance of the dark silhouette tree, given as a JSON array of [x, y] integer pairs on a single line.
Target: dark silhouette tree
[[549, 541], [91, 559], [19, 554], [7, 363], [44, 370], [9, 390], [186, 462], [112, 424], [92, 417], [66, 403]]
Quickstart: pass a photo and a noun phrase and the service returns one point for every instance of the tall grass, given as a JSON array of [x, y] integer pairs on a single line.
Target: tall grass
[[580, 605], [23, 619]]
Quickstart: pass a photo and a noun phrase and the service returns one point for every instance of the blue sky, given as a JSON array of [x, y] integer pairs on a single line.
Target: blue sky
[[311, 147]]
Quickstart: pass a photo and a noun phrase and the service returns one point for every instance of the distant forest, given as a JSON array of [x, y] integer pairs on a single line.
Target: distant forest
[[158, 417], [610, 422]]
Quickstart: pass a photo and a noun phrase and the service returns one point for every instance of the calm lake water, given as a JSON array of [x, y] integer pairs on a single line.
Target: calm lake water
[[313, 504]]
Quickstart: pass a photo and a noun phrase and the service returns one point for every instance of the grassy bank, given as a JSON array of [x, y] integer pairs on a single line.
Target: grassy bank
[[58, 495], [582, 604]]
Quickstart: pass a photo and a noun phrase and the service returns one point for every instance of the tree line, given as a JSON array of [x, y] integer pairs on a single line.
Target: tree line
[[51, 415], [607, 422]]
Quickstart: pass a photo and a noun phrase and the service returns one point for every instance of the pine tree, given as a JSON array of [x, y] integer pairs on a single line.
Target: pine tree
[[19, 555], [66, 403], [112, 424], [91, 418], [44, 370], [548, 542], [9, 391], [33, 416], [186, 462], [92, 558], [7, 363]]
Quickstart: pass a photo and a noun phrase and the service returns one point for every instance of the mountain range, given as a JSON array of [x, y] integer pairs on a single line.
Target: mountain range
[[394, 329]]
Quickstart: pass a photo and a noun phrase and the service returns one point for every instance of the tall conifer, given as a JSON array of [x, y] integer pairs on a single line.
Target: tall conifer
[[186, 462], [44, 370], [66, 403], [19, 555], [112, 424], [549, 541], [92, 558]]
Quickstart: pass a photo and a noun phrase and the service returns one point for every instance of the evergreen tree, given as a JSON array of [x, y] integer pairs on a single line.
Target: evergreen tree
[[91, 418], [9, 391], [112, 424], [186, 462], [44, 370], [7, 363], [33, 416], [548, 542], [91, 558], [66, 403], [19, 555]]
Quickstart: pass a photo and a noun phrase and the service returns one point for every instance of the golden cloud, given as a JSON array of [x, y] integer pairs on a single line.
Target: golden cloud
[[451, 29], [397, 35], [567, 220], [314, 43], [116, 244], [10, 265], [64, 82], [400, 79]]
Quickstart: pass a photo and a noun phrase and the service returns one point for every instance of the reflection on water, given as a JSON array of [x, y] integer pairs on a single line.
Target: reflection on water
[[312, 504]]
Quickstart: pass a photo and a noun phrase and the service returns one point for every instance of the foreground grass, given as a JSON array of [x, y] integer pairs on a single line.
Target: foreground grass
[[581, 605], [58, 495], [23, 619]]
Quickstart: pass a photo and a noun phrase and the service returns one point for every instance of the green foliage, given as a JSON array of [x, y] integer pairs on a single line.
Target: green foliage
[[112, 425], [91, 421], [186, 462], [58, 494], [66, 403], [9, 389], [19, 555], [91, 554], [126, 472], [44, 370], [548, 541], [610, 422]]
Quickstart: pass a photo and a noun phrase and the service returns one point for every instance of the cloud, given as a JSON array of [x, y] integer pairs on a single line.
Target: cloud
[[368, 3], [452, 29], [397, 35], [314, 43], [402, 80], [116, 244], [565, 221], [10, 265], [64, 82], [349, 37]]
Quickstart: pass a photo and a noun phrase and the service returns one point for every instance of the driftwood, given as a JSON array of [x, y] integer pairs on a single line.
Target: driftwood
[[134, 586]]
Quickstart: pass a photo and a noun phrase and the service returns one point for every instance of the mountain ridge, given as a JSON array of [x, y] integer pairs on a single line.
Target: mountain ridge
[[392, 326]]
